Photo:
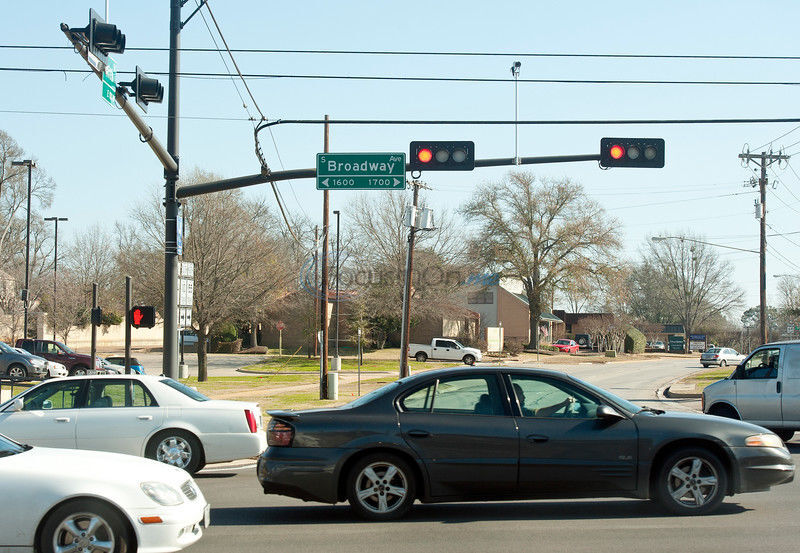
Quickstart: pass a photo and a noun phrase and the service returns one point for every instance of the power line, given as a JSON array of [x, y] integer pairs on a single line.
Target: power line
[[436, 53], [680, 200], [422, 79], [778, 138]]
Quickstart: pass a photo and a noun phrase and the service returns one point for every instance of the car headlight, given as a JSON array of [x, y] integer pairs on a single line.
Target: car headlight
[[39, 363], [763, 440], [161, 493]]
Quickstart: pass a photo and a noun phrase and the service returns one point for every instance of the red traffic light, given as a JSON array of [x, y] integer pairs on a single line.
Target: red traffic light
[[442, 155], [425, 155], [616, 151], [632, 152]]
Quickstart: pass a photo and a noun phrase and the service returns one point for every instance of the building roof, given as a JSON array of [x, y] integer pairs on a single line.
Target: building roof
[[544, 315]]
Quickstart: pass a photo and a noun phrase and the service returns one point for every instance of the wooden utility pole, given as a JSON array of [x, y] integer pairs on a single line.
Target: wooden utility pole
[[405, 328], [763, 160]]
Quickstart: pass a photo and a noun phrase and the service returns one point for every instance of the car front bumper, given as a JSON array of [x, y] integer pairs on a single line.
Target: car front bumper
[[760, 468], [181, 526]]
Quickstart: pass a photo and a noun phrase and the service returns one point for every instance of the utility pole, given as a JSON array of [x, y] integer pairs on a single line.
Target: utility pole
[[55, 268], [94, 327], [763, 160], [406, 322], [26, 293], [171, 204], [316, 283], [128, 306], [324, 295]]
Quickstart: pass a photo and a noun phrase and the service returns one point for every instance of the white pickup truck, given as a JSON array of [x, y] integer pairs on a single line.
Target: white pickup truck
[[444, 348]]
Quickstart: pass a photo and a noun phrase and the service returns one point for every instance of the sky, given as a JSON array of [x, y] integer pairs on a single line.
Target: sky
[[101, 169]]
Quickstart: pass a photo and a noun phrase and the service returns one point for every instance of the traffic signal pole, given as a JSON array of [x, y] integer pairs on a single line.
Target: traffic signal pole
[[171, 203], [405, 329], [127, 325]]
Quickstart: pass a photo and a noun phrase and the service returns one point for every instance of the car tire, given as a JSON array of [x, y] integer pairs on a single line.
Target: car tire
[[691, 481], [374, 497], [705, 365], [784, 434], [107, 525], [724, 411], [723, 363], [469, 359], [178, 448], [78, 370], [17, 372], [421, 357]]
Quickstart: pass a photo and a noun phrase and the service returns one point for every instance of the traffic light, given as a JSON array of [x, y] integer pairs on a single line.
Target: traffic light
[[450, 155], [145, 89], [632, 152], [97, 316], [143, 316], [104, 38]]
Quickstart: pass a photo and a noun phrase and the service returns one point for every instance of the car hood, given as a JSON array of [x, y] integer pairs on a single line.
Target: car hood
[[698, 424], [42, 461]]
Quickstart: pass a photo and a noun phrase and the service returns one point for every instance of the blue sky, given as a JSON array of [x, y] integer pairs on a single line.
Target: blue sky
[[101, 169]]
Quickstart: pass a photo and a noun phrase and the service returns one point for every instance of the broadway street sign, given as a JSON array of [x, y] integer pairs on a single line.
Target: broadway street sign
[[382, 171]]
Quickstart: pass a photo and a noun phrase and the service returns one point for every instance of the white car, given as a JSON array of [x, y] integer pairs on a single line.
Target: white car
[[58, 500], [53, 369], [145, 415]]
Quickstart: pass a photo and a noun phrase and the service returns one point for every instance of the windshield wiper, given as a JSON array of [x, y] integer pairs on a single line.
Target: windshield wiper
[[654, 411]]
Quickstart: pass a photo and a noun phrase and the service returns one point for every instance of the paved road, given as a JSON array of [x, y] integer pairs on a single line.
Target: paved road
[[244, 518], [219, 364]]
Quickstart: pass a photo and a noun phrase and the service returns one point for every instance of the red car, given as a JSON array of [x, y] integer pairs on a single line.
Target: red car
[[567, 346]]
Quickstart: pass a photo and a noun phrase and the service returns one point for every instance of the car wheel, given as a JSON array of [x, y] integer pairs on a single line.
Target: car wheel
[[421, 357], [84, 525], [705, 365], [724, 411], [17, 372], [177, 448], [784, 434], [469, 359], [381, 487], [79, 370], [691, 481], [723, 363]]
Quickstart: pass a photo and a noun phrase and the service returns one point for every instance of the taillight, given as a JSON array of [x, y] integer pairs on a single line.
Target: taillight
[[279, 434], [716, 357], [703, 402], [251, 420]]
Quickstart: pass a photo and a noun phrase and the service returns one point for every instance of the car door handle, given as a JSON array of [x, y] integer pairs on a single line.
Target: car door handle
[[62, 419], [778, 386], [145, 417], [419, 433], [537, 438]]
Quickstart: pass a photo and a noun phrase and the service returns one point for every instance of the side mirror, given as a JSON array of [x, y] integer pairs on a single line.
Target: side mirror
[[16, 405], [608, 413], [47, 404]]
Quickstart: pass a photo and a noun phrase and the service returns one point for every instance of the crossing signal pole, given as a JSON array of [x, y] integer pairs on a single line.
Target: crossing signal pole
[[763, 160]]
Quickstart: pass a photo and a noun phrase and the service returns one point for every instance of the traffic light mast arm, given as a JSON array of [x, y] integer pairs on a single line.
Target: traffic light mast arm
[[144, 129], [275, 176]]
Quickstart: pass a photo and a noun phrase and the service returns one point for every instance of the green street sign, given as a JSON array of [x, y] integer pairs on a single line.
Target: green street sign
[[368, 171], [110, 82]]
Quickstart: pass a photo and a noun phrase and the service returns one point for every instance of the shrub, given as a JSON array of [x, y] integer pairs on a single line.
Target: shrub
[[234, 346], [226, 332], [634, 341], [513, 346]]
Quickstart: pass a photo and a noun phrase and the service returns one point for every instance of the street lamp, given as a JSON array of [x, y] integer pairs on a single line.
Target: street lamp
[[55, 268], [515, 73], [30, 165], [336, 212]]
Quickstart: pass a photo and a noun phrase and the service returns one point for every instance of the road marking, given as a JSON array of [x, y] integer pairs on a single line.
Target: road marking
[[227, 469]]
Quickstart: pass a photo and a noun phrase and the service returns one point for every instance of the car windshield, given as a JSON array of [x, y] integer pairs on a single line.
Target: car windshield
[[65, 347], [563, 342], [8, 447], [184, 389], [6, 348], [714, 350], [624, 403]]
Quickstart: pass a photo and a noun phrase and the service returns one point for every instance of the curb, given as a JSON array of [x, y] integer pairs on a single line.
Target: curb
[[667, 392]]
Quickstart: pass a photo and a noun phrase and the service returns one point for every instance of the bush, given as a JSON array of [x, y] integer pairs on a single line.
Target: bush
[[111, 319], [234, 346], [634, 341], [513, 346], [226, 332]]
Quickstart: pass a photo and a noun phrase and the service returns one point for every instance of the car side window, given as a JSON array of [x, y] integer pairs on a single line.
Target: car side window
[[140, 396], [419, 401], [763, 364], [62, 394], [791, 361], [468, 395], [546, 398]]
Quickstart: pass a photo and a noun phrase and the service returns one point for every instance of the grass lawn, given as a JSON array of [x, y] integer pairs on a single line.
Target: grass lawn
[[304, 364], [704, 378]]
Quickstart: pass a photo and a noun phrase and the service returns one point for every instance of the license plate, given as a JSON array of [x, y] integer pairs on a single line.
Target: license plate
[[207, 516]]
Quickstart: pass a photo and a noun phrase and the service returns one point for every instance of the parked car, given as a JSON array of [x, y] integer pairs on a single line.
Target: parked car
[[721, 356], [584, 341], [445, 349], [567, 346], [150, 416], [121, 504], [136, 366], [493, 433], [76, 363], [764, 389], [53, 369], [189, 338], [111, 368], [658, 345], [19, 366]]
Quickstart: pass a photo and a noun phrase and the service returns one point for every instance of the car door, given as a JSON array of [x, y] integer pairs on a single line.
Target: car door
[[119, 414], [49, 415], [565, 449], [790, 386], [444, 349], [461, 429], [758, 397]]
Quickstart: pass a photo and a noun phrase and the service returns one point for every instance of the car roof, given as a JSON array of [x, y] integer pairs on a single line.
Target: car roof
[[450, 371], [145, 377]]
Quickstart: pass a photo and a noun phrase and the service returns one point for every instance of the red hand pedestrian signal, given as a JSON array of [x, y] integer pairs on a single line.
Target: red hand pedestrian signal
[[137, 317], [143, 316]]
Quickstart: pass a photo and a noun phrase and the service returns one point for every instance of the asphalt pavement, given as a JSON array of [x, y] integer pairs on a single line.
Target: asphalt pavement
[[245, 519]]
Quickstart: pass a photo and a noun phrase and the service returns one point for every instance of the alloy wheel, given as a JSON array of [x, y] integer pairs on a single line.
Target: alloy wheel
[[381, 487], [16, 373], [174, 450], [692, 482], [83, 532]]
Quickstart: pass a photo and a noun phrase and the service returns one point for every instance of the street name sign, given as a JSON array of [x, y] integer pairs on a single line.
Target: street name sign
[[367, 171], [110, 82]]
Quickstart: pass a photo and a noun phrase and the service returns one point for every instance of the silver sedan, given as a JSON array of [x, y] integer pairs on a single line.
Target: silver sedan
[[721, 357]]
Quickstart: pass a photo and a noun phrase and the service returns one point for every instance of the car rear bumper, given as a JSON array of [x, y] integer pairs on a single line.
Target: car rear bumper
[[304, 473], [760, 468], [228, 447]]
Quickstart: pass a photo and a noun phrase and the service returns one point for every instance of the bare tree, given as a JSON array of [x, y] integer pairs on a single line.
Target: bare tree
[[540, 231], [691, 283]]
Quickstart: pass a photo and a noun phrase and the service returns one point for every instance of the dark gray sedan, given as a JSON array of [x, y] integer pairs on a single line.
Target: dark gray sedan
[[507, 433]]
